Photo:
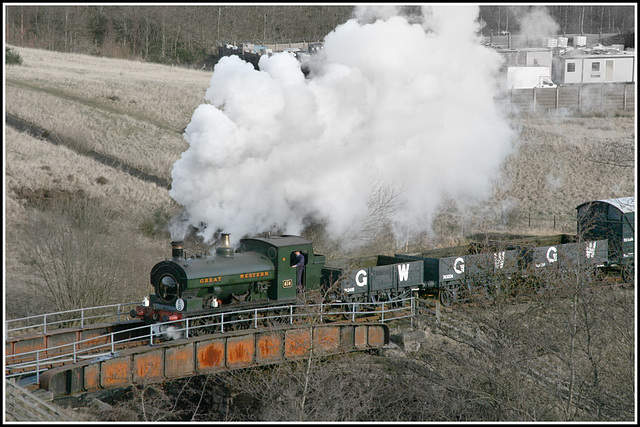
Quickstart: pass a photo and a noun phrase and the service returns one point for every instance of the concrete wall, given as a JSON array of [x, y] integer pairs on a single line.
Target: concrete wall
[[210, 354]]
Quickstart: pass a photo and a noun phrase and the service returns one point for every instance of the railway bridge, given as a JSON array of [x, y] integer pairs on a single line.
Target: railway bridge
[[90, 357]]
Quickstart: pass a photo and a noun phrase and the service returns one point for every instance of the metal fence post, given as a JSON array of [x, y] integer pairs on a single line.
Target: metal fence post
[[38, 366]]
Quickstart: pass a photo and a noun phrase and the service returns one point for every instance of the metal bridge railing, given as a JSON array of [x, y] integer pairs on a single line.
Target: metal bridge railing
[[37, 361], [43, 323]]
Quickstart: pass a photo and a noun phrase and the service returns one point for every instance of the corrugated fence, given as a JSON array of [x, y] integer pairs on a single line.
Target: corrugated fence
[[588, 97]]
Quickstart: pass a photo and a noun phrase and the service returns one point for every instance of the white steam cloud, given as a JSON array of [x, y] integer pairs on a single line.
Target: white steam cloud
[[535, 23], [389, 104]]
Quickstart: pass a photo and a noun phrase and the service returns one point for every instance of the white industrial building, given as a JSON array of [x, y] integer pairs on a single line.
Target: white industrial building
[[597, 65]]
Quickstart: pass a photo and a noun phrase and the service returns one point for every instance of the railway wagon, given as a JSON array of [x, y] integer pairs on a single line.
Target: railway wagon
[[461, 277], [380, 278], [614, 220]]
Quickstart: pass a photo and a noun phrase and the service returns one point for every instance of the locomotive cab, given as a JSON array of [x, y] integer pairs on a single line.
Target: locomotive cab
[[280, 250]]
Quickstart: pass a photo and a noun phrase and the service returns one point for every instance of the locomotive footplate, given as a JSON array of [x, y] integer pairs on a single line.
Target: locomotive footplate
[[156, 312]]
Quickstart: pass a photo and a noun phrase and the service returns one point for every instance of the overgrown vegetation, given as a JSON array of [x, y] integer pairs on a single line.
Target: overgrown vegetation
[[78, 261], [11, 57]]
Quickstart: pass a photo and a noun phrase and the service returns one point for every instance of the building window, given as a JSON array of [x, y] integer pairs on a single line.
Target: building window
[[595, 66], [571, 67]]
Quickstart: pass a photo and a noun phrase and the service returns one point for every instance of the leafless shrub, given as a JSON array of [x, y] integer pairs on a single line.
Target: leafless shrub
[[565, 355], [76, 258]]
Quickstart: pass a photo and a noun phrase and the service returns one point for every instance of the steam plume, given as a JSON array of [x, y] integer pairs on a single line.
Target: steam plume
[[535, 24], [389, 104]]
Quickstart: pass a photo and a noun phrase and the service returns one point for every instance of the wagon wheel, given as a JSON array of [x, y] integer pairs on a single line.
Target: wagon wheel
[[347, 313], [448, 296], [628, 273]]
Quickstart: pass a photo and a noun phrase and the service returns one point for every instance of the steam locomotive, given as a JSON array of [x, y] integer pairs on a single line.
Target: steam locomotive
[[260, 271]]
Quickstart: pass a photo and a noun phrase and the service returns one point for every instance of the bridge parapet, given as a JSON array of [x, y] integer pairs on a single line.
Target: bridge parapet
[[212, 353]]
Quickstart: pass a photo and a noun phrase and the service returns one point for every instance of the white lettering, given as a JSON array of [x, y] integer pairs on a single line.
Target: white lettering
[[403, 272], [349, 289], [361, 278], [552, 254], [590, 250], [448, 276], [498, 259], [627, 239], [458, 265]]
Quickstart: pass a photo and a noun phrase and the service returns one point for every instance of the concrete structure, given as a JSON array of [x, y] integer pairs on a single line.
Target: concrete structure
[[210, 354]]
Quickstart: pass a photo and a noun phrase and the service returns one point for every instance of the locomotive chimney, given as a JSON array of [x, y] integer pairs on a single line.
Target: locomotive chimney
[[225, 248], [177, 250]]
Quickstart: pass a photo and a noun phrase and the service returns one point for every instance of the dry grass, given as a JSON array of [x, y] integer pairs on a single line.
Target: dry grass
[[133, 111]]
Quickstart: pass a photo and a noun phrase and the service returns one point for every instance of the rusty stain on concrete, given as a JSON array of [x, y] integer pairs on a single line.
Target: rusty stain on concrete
[[376, 336], [148, 366], [297, 342], [179, 361], [269, 346], [115, 372], [327, 339], [30, 344], [240, 350], [210, 354], [92, 377], [98, 336], [360, 336]]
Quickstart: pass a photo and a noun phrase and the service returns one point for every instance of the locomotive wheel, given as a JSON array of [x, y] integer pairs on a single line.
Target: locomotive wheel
[[240, 321], [199, 327]]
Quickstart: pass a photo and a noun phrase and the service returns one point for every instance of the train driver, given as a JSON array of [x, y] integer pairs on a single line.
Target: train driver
[[298, 262]]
